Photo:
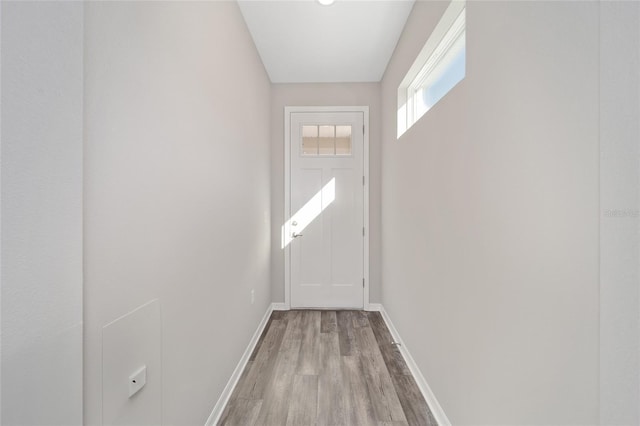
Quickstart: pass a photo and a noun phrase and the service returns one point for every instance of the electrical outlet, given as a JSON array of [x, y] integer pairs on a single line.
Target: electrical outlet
[[253, 296]]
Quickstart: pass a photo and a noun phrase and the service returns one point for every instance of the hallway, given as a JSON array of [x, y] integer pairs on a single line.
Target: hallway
[[146, 202], [326, 368]]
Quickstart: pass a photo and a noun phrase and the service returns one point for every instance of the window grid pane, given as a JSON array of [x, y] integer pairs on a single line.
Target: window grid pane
[[326, 140], [309, 140], [343, 140]]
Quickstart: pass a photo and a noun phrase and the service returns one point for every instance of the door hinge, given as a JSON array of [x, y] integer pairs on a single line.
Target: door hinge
[[362, 180], [363, 231], [363, 283]]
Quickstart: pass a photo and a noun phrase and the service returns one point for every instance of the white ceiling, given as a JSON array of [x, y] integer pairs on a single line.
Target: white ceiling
[[301, 41]]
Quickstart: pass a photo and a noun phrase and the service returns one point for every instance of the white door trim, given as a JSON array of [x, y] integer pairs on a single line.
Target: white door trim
[[288, 110]]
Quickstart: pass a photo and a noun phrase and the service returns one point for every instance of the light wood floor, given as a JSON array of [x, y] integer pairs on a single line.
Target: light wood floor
[[326, 368]]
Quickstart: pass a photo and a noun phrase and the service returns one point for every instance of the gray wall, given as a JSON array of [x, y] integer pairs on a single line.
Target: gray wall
[[490, 209], [345, 94], [176, 190], [41, 192], [619, 211]]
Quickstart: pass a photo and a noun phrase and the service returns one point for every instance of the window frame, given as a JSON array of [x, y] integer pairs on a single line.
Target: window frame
[[447, 33]]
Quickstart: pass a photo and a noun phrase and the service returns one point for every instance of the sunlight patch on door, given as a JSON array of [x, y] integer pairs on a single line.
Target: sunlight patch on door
[[309, 212]]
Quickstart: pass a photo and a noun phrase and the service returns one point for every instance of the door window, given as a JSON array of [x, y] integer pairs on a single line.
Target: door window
[[326, 140]]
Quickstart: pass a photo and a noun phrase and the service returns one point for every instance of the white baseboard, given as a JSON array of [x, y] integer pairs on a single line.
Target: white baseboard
[[280, 306], [374, 307], [434, 405], [215, 415]]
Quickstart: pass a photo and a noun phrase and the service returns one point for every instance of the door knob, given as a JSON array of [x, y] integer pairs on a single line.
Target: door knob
[[294, 235]]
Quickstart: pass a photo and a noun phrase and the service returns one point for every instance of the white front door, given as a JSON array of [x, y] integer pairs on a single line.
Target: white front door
[[326, 218]]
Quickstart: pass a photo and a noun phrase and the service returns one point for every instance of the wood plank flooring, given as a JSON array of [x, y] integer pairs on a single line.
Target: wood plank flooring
[[326, 368]]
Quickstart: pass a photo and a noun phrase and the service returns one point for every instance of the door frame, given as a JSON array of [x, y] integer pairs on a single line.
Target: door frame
[[288, 110]]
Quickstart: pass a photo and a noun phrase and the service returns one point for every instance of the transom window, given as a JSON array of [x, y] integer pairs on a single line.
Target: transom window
[[439, 67]]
